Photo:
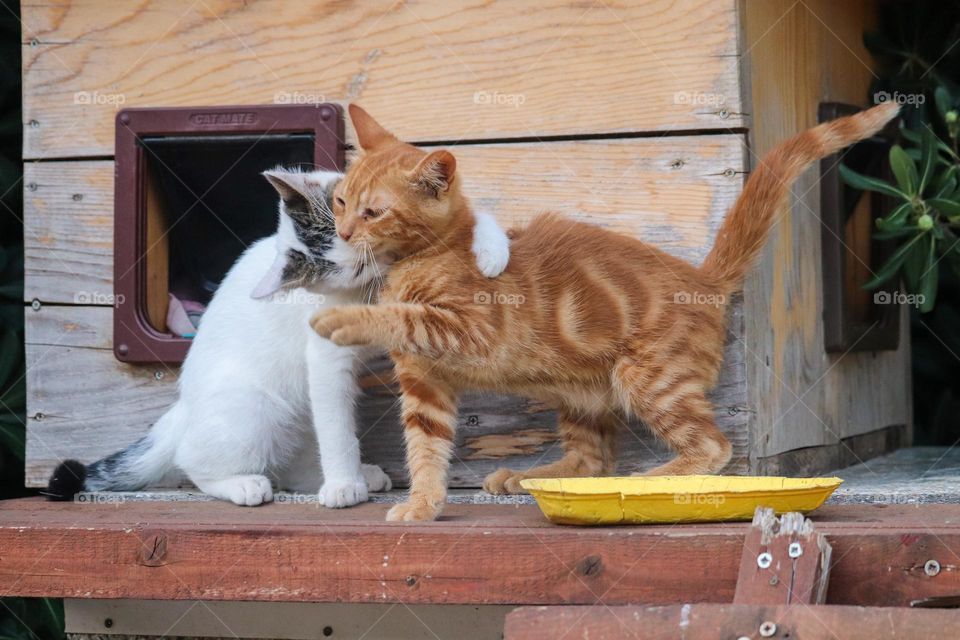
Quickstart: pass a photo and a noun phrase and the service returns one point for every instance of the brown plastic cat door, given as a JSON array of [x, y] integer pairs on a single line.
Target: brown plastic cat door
[[854, 319], [189, 199]]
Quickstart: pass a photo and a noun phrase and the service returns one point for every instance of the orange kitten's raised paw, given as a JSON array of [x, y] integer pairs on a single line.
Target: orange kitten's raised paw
[[504, 481], [413, 511], [342, 326]]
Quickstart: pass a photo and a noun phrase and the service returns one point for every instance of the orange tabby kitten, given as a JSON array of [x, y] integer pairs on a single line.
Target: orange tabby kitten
[[583, 319]]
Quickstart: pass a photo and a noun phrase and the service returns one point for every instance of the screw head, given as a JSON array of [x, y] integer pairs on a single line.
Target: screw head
[[767, 629], [931, 568], [795, 550], [35, 304], [124, 118], [123, 349], [158, 375], [729, 173], [34, 124], [77, 197], [326, 113], [764, 560], [108, 623], [723, 114], [32, 186], [34, 42]]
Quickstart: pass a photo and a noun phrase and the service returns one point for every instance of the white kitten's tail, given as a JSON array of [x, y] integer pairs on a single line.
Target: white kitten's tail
[[144, 462]]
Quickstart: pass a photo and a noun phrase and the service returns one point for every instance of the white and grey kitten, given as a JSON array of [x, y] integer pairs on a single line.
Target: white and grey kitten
[[260, 393]]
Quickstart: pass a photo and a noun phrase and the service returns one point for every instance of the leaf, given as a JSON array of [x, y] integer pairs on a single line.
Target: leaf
[[913, 267], [892, 265], [948, 207], [910, 134], [946, 183], [895, 233], [866, 183], [895, 218], [930, 279], [928, 151], [904, 169]]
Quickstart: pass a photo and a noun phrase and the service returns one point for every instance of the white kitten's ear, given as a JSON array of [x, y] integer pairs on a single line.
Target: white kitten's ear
[[291, 186], [491, 246], [272, 280]]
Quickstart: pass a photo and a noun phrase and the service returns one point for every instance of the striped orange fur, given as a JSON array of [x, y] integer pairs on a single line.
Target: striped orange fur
[[596, 324]]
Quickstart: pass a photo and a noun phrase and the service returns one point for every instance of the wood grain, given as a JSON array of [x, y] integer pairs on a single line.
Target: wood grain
[[476, 554], [429, 71], [799, 55], [668, 191], [83, 403], [711, 621]]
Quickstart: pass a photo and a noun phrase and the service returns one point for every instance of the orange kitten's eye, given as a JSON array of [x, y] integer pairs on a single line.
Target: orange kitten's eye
[[371, 213], [341, 202]]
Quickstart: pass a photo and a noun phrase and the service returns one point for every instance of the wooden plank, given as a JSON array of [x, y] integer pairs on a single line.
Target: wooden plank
[[476, 554], [83, 403], [799, 55], [429, 71], [785, 561], [669, 191], [711, 621]]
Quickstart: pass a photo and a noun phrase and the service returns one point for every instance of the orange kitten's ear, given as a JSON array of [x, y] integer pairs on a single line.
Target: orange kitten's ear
[[435, 172], [369, 132]]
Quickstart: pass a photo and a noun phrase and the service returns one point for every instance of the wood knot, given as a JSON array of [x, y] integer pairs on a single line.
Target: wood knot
[[153, 550], [590, 566], [411, 581]]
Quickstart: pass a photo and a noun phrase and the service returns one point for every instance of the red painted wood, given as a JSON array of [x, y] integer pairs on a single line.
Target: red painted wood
[[476, 554], [712, 621]]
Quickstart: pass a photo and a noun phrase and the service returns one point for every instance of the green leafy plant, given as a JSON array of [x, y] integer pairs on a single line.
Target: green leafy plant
[[926, 217]]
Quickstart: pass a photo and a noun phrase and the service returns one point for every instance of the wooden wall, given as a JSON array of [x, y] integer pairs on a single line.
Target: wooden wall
[[801, 54], [624, 113]]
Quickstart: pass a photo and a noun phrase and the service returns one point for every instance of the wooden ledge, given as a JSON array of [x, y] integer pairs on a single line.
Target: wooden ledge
[[476, 554]]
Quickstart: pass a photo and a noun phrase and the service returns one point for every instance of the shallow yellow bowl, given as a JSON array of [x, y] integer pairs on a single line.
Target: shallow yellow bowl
[[641, 499]]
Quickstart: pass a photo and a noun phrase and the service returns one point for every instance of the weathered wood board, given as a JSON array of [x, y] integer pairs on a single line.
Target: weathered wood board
[[434, 71], [799, 55], [475, 554], [671, 191], [83, 403]]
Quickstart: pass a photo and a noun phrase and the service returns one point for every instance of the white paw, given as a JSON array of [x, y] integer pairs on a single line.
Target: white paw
[[491, 246], [376, 479], [338, 494], [248, 491]]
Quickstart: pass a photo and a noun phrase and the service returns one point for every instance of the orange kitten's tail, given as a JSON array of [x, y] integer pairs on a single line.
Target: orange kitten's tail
[[749, 220]]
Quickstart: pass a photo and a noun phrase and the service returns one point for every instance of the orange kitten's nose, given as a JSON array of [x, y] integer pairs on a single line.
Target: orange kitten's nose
[[344, 234]]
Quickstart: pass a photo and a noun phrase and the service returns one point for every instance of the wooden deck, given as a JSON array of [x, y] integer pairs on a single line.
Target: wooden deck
[[477, 554]]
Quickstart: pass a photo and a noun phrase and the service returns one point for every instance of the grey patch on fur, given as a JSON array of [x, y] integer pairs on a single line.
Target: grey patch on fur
[[115, 472], [313, 222]]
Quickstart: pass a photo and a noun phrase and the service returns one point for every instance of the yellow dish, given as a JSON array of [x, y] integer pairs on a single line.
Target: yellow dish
[[667, 499]]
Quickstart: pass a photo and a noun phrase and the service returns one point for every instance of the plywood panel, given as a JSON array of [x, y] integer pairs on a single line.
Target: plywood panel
[[431, 71], [83, 403], [671, 191], [801, 54]]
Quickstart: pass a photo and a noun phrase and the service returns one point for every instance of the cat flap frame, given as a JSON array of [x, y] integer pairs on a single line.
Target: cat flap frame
[[135, 337]]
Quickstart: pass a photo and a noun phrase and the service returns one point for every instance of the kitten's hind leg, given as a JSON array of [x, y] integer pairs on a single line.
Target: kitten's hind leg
[[244, 490], [674, 407], [587, 451]]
